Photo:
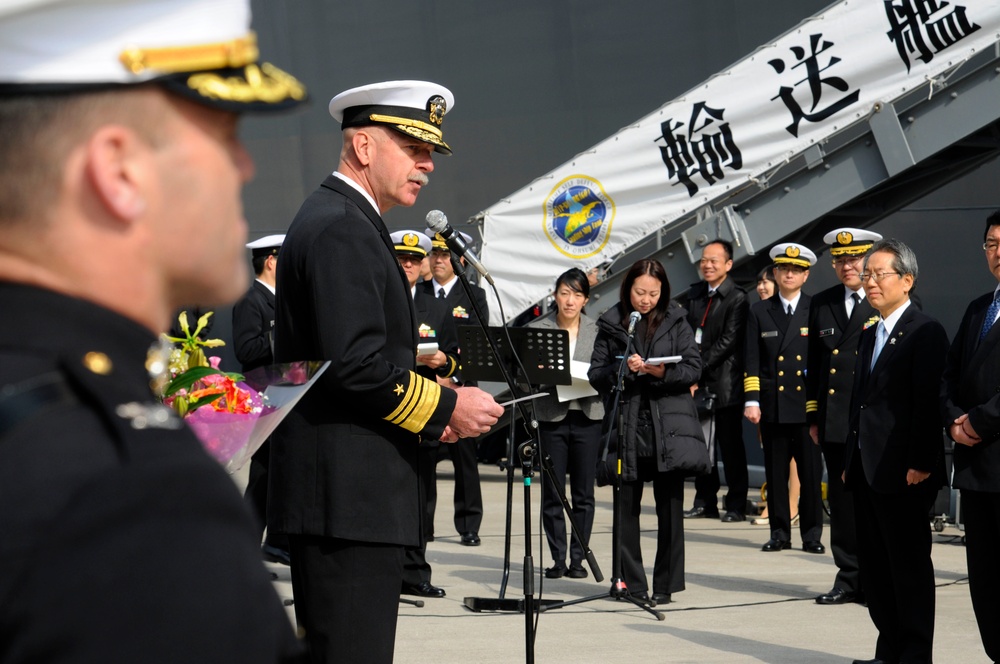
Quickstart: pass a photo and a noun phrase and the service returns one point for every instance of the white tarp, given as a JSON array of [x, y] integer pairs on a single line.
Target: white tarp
[[825, 74]]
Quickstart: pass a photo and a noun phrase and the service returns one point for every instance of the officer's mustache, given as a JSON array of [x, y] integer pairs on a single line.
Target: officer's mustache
[[420, 178]]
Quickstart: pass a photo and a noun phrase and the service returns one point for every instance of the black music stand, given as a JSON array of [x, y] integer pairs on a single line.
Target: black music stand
[[545, 360]]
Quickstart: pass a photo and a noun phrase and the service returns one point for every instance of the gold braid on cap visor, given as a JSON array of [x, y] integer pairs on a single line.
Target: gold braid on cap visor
[[856, 250], [266, 83], [176, 59]]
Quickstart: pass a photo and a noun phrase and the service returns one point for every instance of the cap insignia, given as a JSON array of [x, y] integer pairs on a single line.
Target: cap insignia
[[844, 237], [792, 252], [411, 240], [437, 107]]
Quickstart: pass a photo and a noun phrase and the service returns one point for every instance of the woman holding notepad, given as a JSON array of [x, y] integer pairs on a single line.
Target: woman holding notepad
[[663, 439], [570, 429]]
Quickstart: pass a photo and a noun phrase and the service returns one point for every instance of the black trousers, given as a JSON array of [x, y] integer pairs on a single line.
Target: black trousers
[[668, 566], [782, 443], [572, 445], [416, 569], [728, 446], [256, 493], [346, 598], [894, 552], [468, 493], [982, 551], [843, 532]]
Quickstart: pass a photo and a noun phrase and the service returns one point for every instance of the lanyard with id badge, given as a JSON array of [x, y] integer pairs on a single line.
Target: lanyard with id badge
[[698, 332]]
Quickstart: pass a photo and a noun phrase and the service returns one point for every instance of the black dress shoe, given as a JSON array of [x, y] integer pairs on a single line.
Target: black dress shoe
[[576, 572], [836, 596], [557, 571], [661, 598], [776, 545], [700, 512], [470, 539], [733, 517], [423, 589], [641, 595], [813, 546], [273, 554]]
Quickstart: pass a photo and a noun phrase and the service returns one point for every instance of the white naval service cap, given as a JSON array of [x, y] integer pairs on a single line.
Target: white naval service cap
[[411, 243], [266, 246], [414, 108], [790, 253], [201, 49], [850, 241]]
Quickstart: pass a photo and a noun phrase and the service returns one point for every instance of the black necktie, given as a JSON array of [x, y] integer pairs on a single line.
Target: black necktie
[[857, 301], [440, 293], [790, 312]]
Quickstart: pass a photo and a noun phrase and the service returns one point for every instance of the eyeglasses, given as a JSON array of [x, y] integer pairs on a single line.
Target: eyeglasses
[[879, 278], [991, 246], [847, 260]]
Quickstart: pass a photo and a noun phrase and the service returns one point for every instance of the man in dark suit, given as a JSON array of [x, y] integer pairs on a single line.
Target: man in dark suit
[[121, 540], [972, 418], [717, 312], [434, 328], [445, 286], [253, 343], [895, 455], [774, 384], [836, 318], [344, 483]]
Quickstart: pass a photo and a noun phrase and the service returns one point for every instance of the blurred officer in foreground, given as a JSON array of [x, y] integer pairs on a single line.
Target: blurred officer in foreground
[[836, 318], [120, 177], [972, 418], [774, 383], [253, 343], [344, 483]]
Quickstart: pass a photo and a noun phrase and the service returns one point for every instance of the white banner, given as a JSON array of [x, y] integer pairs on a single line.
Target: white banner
[[825, 74]]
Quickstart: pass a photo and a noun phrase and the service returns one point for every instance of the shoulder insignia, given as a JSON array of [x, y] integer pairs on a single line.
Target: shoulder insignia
[[148, 416]]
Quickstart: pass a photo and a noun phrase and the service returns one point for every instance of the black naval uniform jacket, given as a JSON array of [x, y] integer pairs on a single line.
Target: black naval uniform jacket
[[253, 327], [460, 306], [775, 361], [894, 406], [833, 352], [722, 338], [972, 385], [121, 540], [436, 325], [343, 463]]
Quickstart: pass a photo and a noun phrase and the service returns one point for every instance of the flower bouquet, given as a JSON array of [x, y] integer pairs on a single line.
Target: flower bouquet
[[231, 414]]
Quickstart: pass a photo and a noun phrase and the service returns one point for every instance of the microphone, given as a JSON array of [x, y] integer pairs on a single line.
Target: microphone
[[437, 222], [633, 319]]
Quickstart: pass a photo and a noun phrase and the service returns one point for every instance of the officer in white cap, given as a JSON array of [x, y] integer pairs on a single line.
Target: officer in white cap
[[837, 316], [437, 356], [253, 344], [120, 178], [444, 285], [774, 383], [343, 479]]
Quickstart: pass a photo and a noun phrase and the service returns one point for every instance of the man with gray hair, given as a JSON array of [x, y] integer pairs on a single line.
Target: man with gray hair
[[895, 455]]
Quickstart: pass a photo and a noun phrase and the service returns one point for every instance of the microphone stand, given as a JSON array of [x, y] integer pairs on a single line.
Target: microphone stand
[[619, 590], [526, 453]]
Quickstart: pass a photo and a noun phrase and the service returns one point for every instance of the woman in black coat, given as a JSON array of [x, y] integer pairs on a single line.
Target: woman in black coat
[[663, 438]]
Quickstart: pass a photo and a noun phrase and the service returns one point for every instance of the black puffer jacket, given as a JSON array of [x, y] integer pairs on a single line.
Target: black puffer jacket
[[680, 444]]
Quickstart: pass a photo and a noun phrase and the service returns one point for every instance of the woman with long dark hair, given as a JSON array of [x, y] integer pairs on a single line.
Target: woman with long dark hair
[[663, 440], [570, 432]]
